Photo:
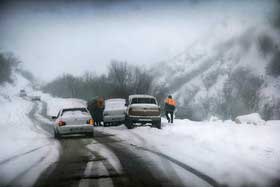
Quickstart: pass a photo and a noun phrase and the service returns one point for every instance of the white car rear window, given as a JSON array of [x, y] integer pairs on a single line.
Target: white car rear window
[[74, 111]]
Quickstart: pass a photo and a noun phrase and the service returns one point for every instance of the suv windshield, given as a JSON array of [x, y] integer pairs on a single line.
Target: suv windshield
[[143, 100]]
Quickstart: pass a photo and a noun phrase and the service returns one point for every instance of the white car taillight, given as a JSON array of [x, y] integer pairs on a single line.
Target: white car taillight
[[90, 121], [61, 123]]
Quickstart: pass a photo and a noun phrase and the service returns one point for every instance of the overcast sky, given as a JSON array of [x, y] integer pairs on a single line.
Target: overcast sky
[[54, 37]]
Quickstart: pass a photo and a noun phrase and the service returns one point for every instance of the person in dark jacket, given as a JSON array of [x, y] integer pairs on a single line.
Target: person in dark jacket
[[99, 110], [91, 106], [169, 107], [96, 108]]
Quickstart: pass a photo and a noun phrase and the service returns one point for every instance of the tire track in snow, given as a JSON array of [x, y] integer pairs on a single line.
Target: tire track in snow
[[165, 163], [22, 154], [15, 181], [137, 169], [37, 129], [194, 171], [190, 169], [116, 177], [38, 125], [69, 168]]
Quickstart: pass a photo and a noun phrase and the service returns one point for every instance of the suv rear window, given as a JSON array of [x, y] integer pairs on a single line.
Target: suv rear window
[[143, 100]]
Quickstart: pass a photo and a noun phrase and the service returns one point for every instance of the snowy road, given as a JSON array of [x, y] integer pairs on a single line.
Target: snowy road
[[183, 154], [27, 154], [138, 166], [108, 160], [82, 165]]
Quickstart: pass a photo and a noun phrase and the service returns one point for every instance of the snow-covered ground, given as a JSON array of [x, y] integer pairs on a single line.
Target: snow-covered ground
[[26, 149], [231, 153]]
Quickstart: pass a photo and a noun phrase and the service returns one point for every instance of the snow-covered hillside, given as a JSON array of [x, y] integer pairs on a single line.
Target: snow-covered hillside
[[26, 149], [227, 73]]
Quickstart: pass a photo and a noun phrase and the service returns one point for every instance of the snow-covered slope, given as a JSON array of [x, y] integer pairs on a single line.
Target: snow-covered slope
[[26, 150], [223, 65]]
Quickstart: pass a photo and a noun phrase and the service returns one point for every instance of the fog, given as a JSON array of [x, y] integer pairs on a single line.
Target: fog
[[70, 36]]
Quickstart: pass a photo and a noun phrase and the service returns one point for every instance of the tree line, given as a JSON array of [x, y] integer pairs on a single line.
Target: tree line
[[8, 63], [121, 81]]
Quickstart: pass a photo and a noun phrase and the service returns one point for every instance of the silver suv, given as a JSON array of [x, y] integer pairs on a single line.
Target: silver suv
[[142, 109]]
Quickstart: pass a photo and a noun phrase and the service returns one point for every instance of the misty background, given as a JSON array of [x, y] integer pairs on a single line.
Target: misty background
[[215, 57]]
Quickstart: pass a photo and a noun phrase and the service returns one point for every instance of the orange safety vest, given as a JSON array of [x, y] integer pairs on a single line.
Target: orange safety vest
[[170, 101]]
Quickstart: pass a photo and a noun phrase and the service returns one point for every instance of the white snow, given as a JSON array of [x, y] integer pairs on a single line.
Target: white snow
[[115, 105], [253, 118], [26, 150], [231, 153]]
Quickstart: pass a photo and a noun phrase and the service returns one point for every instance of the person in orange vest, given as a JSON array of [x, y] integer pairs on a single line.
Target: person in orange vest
[[169, 107]]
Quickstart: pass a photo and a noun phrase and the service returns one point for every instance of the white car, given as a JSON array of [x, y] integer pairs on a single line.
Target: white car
[[114, 112], [73, 121]]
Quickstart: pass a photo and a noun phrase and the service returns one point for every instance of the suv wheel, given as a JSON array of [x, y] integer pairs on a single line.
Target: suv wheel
[[90, 134], [157, 124], [56, 135], [128, 124]]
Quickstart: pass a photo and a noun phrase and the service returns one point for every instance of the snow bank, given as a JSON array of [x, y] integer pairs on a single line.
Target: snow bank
[[25, 149], [231, 154], [253, 118]]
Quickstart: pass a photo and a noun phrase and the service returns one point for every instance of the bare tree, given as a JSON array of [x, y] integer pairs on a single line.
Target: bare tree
[[7, 62], [119, 76]]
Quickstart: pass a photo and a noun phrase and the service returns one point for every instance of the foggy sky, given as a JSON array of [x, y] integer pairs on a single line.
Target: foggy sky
[[52, 37]]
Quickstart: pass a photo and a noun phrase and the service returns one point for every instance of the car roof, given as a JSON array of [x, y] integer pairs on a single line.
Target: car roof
[[114, 99]]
